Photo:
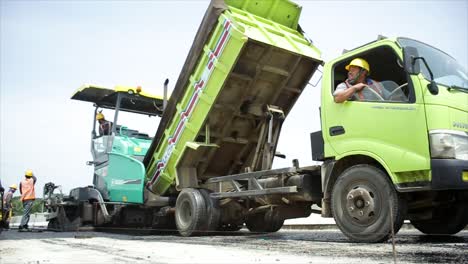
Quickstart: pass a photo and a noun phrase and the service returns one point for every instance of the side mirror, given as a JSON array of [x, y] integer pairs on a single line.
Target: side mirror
[[433, 88], [409, 57]]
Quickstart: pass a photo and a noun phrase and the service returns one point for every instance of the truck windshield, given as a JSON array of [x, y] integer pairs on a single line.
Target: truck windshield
[[446, 70]]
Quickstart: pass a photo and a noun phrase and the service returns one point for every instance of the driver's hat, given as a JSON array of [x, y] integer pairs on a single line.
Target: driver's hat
[[359, 63]]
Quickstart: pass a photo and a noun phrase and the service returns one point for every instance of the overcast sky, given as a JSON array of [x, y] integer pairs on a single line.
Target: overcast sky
[[49, 48]]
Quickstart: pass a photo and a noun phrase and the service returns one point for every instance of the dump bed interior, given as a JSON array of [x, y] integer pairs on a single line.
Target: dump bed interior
[[228, 105]]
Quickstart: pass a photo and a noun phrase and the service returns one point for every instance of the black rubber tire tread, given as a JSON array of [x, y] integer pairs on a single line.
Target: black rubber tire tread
[[446, 221], [213, 211], [255, 223], [384, 193], [192, 200], [273, 222], [267, 222]]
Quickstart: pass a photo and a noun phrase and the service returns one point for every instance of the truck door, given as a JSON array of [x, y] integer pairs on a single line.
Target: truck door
[[391, 129]]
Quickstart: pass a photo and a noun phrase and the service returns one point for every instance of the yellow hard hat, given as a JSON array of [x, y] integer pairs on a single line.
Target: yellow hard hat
[[99, 116], [359, 63], [28, 173], [13, 186]]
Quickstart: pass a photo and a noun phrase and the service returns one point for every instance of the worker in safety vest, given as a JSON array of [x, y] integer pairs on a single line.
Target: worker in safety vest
[[28, 195], [105, 127], [353, 87], [7, 205]]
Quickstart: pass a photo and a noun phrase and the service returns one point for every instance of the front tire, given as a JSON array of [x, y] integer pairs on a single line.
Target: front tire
[[361, 201]]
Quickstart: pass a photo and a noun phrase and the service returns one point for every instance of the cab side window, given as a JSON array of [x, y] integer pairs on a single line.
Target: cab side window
[[386, 82]]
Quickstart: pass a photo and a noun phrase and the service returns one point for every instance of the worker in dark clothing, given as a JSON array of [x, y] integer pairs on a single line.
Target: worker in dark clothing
[[28, 195], [7, 205], [105, 127]]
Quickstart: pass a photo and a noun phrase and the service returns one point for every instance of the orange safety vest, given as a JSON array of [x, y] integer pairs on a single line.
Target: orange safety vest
[[27, 189]]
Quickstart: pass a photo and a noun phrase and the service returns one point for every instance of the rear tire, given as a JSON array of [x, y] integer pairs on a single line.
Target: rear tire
[[445, 221], [190, 212], [213, 212], [268, 222], [361, 201]]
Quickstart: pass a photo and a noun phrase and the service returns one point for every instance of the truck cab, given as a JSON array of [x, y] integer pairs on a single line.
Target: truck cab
[[405, 149]]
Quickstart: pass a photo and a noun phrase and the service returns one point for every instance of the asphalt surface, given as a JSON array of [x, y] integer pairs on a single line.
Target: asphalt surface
[[285, 246]]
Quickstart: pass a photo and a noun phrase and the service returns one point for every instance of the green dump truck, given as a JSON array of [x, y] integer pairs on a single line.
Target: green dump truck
[[401, 155]]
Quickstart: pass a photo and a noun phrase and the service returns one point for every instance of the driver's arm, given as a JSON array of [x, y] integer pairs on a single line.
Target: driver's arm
[[343, 93]]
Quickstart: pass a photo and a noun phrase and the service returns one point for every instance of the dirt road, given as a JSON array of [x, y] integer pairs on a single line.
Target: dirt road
[[286, 246]]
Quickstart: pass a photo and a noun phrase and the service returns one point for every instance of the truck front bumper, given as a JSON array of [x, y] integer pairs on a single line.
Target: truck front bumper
[[449, 174]]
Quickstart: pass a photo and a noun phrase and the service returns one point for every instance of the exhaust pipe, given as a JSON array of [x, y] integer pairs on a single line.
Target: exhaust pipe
[[166, 82]]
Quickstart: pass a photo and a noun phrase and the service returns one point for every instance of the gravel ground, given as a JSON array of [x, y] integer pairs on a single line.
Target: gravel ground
[[285, 246]]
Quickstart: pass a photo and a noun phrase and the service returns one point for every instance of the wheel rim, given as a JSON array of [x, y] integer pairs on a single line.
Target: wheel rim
[[361, 205], [185, 213]]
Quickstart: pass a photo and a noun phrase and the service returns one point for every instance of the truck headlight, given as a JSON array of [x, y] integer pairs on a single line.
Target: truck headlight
[[448, 144]]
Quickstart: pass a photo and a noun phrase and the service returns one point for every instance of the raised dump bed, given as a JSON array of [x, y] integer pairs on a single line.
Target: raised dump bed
[[209, 165], [248, 65]]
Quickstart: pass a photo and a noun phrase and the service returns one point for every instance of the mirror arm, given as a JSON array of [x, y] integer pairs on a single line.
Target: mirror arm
[[432, 87], [425, 63]]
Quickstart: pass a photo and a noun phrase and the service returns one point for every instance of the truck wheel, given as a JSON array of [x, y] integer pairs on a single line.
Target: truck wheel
[[445, 221], [190, 212], [361, 201], [269, 222], [213, 212]]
